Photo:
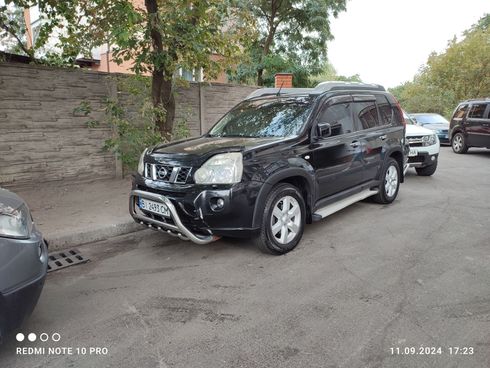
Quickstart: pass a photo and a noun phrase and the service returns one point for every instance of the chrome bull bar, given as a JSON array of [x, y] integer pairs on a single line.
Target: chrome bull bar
[[178, 229]]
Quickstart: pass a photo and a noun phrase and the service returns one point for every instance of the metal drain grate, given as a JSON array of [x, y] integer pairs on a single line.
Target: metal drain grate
[[64, 258]]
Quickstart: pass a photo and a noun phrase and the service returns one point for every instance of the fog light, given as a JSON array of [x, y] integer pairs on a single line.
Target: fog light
[[433, 158], [217, 204]]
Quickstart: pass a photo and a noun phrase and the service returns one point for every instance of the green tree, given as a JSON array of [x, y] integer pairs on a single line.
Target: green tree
[[294, 30], [461, 72], [160, 38], [13, 30], [328, 73], [172, 34]]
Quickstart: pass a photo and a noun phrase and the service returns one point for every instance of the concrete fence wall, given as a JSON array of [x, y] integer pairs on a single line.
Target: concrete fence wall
[[43, 139]]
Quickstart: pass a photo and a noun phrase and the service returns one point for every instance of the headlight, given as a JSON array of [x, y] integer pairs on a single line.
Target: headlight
[[141, 163], [225, 168], [15, 223], [429, 140]]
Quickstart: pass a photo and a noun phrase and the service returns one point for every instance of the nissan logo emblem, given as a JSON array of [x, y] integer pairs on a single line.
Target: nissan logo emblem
[[162, 172]]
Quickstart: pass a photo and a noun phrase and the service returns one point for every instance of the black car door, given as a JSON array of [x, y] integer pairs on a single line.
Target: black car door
[[373, 129], [477, 127], [337, 158]]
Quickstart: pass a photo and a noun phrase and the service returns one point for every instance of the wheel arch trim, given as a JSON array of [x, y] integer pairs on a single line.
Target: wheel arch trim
[[277, 178]]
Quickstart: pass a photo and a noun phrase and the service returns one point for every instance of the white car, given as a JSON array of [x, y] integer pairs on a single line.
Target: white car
[[424, 147]]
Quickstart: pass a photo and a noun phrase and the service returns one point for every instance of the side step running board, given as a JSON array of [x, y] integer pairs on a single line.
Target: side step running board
[[337, 206]]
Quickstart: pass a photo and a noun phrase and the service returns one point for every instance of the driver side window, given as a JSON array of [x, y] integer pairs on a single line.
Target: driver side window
[[339, 117]]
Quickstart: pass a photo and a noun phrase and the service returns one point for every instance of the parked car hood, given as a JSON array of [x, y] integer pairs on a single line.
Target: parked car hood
[[416, 130], [209, 145], [437, 126]]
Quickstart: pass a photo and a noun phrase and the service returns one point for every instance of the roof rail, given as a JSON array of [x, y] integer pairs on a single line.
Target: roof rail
[[477, 99], [336, 85], [320, 88], [274, 91]]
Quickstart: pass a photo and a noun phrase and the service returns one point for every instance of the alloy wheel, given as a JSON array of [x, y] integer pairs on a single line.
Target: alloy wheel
[[391, 181], [285, 220], [457, 142]]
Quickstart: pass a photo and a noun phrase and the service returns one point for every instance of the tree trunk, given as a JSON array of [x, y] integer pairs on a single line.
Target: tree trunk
[[260, 80], [168, 100], [267, 45], [161, 84]]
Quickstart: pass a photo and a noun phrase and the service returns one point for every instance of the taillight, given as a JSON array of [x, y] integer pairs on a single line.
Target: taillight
[[400, 112]]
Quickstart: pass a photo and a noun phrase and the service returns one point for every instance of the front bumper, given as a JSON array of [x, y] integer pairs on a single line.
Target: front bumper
[[192, 214], [17, 305], [176, 228], [443, 137], [422, 159]]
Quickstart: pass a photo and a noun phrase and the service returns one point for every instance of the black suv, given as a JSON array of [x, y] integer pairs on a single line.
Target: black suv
[[470, 125], [279, 159]]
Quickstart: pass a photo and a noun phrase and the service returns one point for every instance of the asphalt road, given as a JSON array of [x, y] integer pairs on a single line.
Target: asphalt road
[[365, 284]]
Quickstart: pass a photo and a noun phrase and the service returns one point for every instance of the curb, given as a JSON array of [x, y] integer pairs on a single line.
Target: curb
[[70, 240]]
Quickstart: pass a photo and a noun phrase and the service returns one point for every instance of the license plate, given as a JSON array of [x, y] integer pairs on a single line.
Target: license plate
[[413, 152], [155, 207]]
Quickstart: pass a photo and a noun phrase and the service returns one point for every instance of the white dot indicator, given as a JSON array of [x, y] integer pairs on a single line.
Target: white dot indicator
[[32, 337], [56, 337], [20, 337], [44, 337]]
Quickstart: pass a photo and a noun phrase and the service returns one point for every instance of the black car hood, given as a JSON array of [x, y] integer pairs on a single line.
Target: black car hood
[[206, 146]]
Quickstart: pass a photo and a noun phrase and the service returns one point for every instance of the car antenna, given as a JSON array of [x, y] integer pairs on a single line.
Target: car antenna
[[279, 92]]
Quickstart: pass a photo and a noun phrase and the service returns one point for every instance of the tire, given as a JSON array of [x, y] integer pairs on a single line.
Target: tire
[[288, 235], [458, 143], [426, 171], [390, 182]]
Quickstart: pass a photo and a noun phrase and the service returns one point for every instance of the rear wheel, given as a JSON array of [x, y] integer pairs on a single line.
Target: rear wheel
[[459, 143], [284, 220], [426, 171], [390, 183]]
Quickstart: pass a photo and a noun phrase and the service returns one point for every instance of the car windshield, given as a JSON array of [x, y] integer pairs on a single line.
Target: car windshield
[[429, 119], [278, 117]]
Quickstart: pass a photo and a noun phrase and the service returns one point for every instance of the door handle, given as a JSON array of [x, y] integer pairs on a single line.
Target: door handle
[[383, 137], [355, 144]]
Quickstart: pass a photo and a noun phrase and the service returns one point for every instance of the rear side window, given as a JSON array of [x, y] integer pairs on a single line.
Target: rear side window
[[477, 111], [367, 114], [386, 113], [460, 112]]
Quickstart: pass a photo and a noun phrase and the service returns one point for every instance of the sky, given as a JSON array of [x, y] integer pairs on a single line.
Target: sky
[[386, 41]]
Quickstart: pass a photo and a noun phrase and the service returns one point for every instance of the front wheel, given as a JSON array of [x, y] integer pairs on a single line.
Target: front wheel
[[390, 183], [459, 143], [284, 220]]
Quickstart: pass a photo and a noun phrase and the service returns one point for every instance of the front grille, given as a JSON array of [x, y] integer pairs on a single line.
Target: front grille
[[167, 173], [416, 159], [415, 141], [183, 174]]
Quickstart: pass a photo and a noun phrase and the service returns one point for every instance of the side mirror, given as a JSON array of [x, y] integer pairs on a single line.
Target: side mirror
[[324, 130]]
